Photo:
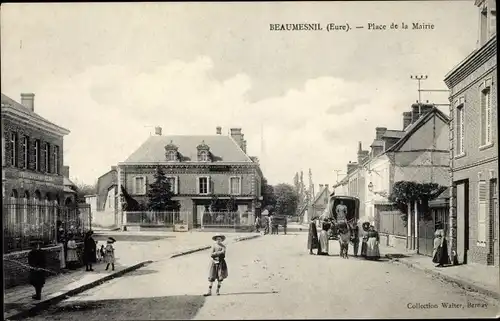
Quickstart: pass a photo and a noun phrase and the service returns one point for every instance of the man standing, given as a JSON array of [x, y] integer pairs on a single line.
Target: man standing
[[355, 239], [37, 263], [341, 211]]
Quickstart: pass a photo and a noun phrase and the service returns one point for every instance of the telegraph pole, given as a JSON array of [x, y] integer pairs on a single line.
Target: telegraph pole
[[337, 171], [419, 79]]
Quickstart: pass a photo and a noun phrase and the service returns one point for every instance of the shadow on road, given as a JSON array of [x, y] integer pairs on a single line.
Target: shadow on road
[[396, 256], [139, 272], [131, 238], [153, 308], [245, 293]]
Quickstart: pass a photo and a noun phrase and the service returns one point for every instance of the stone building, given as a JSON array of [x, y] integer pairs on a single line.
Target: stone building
[[474, 221], [198, 168], [32, 151]]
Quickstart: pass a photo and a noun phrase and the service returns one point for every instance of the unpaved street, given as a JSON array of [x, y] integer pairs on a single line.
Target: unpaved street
[[273, 277]]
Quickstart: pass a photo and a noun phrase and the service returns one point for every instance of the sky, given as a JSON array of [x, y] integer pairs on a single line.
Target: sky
[[110, 72]]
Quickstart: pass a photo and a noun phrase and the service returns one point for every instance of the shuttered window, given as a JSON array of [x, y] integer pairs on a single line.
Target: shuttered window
[[481, 213], [140, 185]]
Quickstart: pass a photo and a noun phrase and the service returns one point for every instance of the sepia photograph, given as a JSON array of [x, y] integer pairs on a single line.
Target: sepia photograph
[[263, 160]]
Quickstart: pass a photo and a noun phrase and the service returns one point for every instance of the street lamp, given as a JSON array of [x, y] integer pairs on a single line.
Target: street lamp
[[370, 187]]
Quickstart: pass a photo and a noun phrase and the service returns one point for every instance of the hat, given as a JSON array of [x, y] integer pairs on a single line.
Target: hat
[[366, 225], [111, 240], [223, 237]]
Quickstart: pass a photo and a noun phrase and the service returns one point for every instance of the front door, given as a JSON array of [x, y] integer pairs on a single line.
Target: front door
[[200, 210], [462, 222], [493, 217]]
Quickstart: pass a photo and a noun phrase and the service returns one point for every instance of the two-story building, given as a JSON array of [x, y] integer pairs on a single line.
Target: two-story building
[[33, 154], [198, 168], [474, 221]]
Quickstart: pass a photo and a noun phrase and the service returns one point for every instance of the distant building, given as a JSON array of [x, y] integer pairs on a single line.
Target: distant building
[[320, 202], [32, 152], [198, 168], [473, 143]]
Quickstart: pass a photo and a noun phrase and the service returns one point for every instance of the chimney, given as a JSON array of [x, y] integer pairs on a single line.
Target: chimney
[[218, 130], [406, 119], [320, 187], [65, 171], [158, 131], [28, 100], [361, 155], [418, 111], [237, 136], [379, 132], [351, 166]]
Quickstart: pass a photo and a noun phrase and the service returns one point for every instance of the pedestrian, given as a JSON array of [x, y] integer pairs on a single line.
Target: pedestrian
[[89, 251], [71, 257], [257, 224], [323, 239], [218, 267], [61, 240], [365, 226], [100, 253], [440, 253], [355, 239], [372, 245], [109, 254], [37, 263], [271, 223], [312, 239]]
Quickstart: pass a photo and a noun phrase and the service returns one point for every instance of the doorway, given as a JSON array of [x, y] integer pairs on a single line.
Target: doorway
[[493, 218], [462, 220]]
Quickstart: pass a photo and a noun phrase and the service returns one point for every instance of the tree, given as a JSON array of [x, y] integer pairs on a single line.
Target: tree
[[406, 193], [268, 197], [130, 204], [287, 199], [160, 193], [83, 189]]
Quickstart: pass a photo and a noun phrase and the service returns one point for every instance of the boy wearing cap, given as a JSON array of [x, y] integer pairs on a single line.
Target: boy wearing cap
[[218, 267], [37, 263]]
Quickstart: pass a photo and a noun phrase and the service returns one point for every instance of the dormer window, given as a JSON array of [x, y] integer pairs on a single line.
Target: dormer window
[[203, 152], [171, 152]]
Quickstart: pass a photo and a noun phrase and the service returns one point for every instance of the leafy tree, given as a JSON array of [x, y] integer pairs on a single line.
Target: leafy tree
[[287, 199], [268, 197], [83, 189], [129, 204], [160, 194], [405, 193], [231, 205]]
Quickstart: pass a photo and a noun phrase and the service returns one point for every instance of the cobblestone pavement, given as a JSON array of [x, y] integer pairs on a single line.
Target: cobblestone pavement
[[274, 277]]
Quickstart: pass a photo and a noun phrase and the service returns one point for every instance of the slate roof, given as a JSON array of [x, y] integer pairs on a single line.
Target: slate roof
[[5, 100], [223, 148]]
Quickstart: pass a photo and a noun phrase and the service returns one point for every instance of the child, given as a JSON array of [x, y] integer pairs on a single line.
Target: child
[[218, 267], [37, 263], [72, 257], [102, 252], [109, 254]]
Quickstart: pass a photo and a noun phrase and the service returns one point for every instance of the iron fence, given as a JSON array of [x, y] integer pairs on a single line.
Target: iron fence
[[221, 219], [24, 221], [148, 218]]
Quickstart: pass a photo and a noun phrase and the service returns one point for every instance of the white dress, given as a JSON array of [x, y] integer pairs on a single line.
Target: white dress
[[323, 241], [72, 256]]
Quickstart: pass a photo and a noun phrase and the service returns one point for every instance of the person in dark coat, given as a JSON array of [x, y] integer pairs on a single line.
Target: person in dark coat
[[313, 240], [37, 263], [364, 243], [440, 255], [355, 239], [89, 251]]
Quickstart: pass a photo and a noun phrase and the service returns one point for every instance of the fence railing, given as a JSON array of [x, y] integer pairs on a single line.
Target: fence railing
[[147, 218], [46, 221], [224, 219]]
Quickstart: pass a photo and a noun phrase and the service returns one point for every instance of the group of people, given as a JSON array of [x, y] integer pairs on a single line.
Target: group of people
[[346, 234], [268, 223], [38, 264]]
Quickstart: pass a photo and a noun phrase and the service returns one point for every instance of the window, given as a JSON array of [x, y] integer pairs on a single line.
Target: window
[[13, 149], [203, 185], [172, 183], [26, 153], [235, 185], [37, 155], [481, 213], [140, 185], [46, 157], [460, 128], [486, 115], [56, 159], [203, 156], [171, 156]]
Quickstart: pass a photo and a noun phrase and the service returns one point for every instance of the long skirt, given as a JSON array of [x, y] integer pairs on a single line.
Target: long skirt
[[109, 257], [440, 255], [37, 278], [72, 256], [217, 271], [363, 248], [372, 249], [323, 242]]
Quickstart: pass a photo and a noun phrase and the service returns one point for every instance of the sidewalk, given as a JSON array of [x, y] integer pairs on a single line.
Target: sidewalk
[[129, 256], [476, 277]]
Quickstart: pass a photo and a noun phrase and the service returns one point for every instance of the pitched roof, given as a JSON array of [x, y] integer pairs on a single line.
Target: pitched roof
[[319, 195], [394, 133], [377, 143], [223, 148], [415, 126]]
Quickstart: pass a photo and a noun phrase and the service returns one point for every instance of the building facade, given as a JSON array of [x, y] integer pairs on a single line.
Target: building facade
[[199, 168], [32, 151], [474, 222]]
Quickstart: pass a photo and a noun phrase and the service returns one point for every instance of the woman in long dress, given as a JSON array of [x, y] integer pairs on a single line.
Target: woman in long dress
[[372, 245], [440, 253], [312, 239], [323, 239], [72, 257], [366, 227], [89, 251]]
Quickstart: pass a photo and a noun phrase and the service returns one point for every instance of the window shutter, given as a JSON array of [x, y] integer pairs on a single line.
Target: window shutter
[[481, 219], [241, 184], [176, 189], [134, 186], [209, 185], [197, 185], [488, 116], [145, 185]]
